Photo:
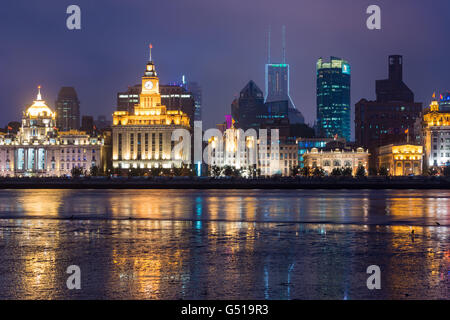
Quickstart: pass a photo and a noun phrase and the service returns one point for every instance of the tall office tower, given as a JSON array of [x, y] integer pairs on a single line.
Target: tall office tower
[[333, 98], [176, 97], [87, 124], [102, 123], [196, 91], [277, 83], [128, 99], [444, 102], [393, 88], [391, 118], [67, 109], [247, 109]]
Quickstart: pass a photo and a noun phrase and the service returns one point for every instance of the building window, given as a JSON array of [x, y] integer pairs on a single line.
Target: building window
[[119, 151], [131, 144]]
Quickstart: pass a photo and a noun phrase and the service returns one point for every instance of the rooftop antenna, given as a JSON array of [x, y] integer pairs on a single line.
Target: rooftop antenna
[[268, 56], [283, 31]]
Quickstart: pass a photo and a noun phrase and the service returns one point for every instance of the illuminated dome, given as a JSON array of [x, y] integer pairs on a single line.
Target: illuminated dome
[[39, 108]]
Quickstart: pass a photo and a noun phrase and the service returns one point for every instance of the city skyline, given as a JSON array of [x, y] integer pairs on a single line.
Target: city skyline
[[189, 151], [221, 66]]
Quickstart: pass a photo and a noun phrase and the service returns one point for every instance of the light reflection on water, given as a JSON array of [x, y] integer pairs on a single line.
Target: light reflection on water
[[421, 207], [217, 244]]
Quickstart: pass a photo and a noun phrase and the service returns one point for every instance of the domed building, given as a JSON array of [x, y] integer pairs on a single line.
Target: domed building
[[38, 122], [38, 149]]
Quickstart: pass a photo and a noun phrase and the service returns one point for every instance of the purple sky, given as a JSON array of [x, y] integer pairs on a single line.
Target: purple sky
[[220, 44]]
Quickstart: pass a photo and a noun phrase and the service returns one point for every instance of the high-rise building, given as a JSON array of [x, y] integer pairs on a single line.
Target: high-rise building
[[333, 98], [87, 124], [176, 97], [196, 91], [248, 108], [393, 88], [277, 84], [67, 109], [143, 139], [102, 123], [391, 118], [444, 102], [128, 99]]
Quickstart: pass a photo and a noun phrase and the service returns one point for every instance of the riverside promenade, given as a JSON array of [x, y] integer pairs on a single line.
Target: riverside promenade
[[416, 182]]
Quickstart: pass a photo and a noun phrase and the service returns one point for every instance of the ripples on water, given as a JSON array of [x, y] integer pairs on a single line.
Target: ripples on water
[[224, 244]]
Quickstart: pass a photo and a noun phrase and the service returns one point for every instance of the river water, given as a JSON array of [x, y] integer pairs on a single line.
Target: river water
[[224, 244]]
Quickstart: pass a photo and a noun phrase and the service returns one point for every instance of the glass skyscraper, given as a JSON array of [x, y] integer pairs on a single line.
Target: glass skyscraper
[[277, 89], [333, 98]]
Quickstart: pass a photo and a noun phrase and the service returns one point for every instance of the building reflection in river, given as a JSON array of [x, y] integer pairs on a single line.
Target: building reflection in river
[[225, 245]]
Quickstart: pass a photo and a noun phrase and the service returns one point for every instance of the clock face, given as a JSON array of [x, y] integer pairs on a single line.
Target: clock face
[[148, 85]]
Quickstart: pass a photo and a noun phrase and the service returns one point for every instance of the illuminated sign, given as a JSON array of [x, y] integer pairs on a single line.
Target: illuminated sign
[[345, 68]]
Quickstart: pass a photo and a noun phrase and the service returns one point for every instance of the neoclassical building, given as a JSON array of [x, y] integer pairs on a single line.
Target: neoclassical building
[[234, 148], [246, 151], [39, 149], [143, 139], [401, 160], [436, 136], [337, 158]]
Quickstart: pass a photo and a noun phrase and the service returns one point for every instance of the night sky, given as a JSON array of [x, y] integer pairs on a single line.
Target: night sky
[[220, 44]]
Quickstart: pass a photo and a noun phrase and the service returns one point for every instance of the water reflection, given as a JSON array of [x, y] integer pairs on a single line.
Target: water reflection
[[316, 206], [223, 244]]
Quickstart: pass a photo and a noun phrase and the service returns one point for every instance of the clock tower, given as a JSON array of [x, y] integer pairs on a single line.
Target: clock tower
[[144, 139], [150, 97]]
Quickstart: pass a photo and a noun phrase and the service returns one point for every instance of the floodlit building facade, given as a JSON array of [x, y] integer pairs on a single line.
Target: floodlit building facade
[[401, 160], [143, 139], [338, 158], [234, 149], [436, 136], [39, 149], [245, 151]]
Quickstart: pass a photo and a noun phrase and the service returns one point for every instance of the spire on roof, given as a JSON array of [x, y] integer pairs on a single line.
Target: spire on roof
[[283, 31], [268, 47], [39, 97]]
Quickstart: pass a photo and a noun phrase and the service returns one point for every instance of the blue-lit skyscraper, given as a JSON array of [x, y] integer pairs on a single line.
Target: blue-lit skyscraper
[[444, 102], [277, 84], [333, 98]]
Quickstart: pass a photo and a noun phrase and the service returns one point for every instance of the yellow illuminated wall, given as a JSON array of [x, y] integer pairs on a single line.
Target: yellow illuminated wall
[[401, 160]]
